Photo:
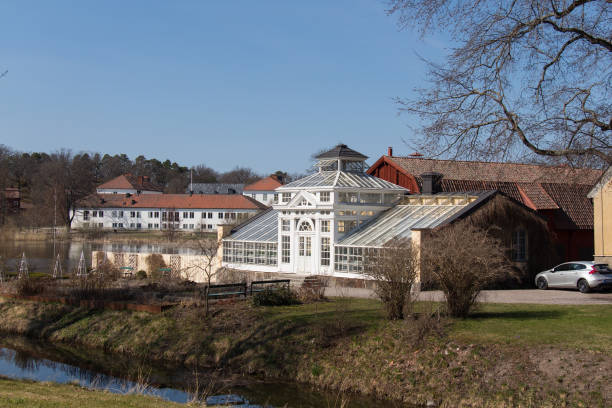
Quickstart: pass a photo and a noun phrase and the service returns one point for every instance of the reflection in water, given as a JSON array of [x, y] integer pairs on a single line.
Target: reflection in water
[[42, 361], [41, 259]]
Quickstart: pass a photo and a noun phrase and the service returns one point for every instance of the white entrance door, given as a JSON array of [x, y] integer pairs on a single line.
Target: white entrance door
[[304, 258]]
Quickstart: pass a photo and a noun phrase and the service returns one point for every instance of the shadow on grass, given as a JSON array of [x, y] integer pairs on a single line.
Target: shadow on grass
[[519, 314]]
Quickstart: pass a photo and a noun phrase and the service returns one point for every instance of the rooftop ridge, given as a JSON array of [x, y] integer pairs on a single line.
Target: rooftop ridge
[[557, 166]]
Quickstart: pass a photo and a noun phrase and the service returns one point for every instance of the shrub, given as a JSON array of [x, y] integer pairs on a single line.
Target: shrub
[[394, 268], [464, 259], [313, 289], [275, 297], [154, 263], [29, 287], [141, 274]]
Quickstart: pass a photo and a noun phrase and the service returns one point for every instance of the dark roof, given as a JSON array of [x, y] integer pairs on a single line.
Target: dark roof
[[216, 188], [129, 181], [342, 151]]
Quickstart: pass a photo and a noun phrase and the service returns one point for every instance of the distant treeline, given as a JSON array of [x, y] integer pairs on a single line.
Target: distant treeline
[[57, 180]]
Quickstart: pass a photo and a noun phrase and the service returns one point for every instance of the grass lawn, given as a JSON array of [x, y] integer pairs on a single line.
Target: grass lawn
[[587, 327], [22, 393], [581, 327]]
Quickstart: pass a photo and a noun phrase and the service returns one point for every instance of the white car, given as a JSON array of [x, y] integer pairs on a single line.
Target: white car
[[581, 275]]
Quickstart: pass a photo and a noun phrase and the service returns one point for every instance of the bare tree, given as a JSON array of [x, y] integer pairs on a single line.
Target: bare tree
[[242, 175], [394, 268], [209, 265], [464, 259], [526, 76]]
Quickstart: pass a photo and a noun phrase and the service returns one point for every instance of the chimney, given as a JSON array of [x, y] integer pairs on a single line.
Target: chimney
[[140, 180], [390, 151], [430, 182], [415, 155]]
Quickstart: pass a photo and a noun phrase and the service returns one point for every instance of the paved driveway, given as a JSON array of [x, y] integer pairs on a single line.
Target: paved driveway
[[550, 297]]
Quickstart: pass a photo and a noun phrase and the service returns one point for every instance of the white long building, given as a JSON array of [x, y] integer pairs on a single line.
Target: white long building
[[182, 212]]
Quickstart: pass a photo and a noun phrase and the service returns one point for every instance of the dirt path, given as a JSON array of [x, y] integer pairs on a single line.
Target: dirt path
[[550, 297]]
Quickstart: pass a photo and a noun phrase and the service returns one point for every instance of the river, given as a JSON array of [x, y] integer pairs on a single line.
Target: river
[[25, 358], [38, 360]]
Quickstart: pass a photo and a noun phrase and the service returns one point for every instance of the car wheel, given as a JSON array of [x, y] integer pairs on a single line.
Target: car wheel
[[583, 286], [542, 284]]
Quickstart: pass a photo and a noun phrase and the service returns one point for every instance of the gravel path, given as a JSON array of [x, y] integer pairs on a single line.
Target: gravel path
[[550, 297]]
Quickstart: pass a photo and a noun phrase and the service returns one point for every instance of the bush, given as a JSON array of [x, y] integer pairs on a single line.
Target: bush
[[394, 268], [154, 263], [312, 289], [141, 274], [275, 297], [29, 287], [464, 259]]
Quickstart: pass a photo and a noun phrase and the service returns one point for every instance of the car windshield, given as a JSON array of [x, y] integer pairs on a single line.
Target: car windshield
[[602, 268]]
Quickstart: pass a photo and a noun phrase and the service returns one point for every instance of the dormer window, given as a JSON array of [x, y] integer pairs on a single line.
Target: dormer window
[[324, 196], [286, 197]]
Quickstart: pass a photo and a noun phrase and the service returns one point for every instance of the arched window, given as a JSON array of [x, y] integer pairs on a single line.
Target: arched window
[[305, 226]]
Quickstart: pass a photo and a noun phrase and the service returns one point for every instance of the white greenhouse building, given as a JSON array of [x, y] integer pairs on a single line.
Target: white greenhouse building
[[310, 217]]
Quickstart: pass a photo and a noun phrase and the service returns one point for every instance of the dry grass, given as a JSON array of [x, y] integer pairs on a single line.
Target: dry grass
[[51, 395]]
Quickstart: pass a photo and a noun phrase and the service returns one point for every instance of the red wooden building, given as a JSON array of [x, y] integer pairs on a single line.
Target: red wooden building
[[559, 193]]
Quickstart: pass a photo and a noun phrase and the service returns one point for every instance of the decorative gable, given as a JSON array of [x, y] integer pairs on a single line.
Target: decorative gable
[[303, 199]]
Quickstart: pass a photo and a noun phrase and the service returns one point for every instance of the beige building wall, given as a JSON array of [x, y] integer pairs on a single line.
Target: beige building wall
[[190, 267], [602, 207]]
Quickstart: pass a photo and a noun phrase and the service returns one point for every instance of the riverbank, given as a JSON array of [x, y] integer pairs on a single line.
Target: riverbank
[[505, 355], [52, 395]]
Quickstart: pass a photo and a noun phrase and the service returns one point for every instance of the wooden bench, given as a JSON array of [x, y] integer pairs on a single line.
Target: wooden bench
[[227, 290], [260, 286], [127, 271]]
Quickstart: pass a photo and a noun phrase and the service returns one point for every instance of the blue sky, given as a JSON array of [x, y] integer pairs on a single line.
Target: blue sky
[[223, 83]]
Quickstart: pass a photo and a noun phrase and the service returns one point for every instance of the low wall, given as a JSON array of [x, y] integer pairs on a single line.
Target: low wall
[[191, 267]]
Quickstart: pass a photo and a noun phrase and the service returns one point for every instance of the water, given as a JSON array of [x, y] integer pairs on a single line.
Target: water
[[41, 259], [24, 358]]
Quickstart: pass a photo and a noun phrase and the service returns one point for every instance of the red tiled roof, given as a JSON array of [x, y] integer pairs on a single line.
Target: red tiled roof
[[266, 184], [129, 181], [573, 200], [537, 186], [512, 172], [536, 195], [182, 201]]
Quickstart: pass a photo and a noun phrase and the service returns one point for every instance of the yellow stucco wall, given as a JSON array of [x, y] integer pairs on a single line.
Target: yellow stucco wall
[[602, 207]]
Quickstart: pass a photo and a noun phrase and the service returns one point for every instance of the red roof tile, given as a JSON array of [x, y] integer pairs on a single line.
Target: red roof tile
[[266, 184], [537, 186], [182, 201], [129, 181], [491, 171], [536, 194], [573, 200]]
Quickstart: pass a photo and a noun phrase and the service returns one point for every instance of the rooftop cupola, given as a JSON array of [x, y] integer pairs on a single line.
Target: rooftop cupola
[[341, 158]]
